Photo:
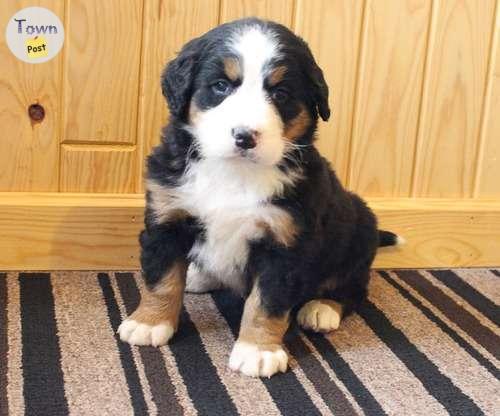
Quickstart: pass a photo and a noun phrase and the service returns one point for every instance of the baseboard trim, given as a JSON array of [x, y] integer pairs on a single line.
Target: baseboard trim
[[52, 231]]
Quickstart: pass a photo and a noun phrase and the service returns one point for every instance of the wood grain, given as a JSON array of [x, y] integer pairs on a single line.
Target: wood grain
[[278, 10], [415, 94], [100, 96], [29, 153], [47, 231], [59, 232], [389, 90], [439, 232], [98, 168], [170, 24], [488, 169], [454, 88], [332, 28], [101, 76]]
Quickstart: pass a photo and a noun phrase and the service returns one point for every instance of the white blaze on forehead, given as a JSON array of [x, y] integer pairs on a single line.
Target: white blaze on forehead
[[247, 106], [257, 47]]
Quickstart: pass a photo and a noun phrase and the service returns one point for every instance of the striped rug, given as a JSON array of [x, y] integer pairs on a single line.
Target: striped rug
[[426, 343]]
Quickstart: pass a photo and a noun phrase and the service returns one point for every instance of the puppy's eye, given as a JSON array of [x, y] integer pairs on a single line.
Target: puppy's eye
[[280, 95], [221, 87]]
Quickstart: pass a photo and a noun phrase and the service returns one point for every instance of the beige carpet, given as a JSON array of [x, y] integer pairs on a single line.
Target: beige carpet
[[426, 343]]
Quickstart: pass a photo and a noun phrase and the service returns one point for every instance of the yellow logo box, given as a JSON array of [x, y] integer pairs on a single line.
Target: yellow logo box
[[36, 47]]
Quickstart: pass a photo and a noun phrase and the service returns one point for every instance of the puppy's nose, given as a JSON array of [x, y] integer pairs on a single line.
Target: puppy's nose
[[245, 138]]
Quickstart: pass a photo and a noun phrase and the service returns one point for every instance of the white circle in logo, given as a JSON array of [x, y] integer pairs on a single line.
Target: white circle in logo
[[35, 35]]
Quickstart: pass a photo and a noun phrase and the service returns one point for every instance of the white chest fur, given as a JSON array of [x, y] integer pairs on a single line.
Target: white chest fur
[[231, 199]]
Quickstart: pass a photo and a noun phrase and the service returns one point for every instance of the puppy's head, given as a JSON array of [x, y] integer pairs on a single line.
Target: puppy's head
[[249, 90]]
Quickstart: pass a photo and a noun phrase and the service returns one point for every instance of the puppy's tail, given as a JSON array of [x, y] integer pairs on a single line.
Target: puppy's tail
[[386, 238]]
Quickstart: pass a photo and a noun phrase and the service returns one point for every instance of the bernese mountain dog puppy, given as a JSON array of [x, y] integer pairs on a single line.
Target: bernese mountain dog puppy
[[239, 197]]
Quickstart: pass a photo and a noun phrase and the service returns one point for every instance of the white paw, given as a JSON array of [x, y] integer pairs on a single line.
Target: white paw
[[136, 333], [199, 282], [252, 361], [319, 316]]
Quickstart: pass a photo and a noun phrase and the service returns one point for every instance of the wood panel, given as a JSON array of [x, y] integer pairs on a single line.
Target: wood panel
[[388, 97], [89, 231], [488, 171], [29, 153], [458, 53], [100, 95], [98, 168], [439, 232], [278, 10], [101, 76], [331, 28], [69, 232], [170, 24], [415, 94]]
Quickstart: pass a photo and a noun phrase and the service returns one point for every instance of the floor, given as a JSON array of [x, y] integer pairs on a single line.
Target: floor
[[425, 343]]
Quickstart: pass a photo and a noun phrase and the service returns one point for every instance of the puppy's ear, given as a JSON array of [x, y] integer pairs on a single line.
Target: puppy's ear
[[320, 92], [316, 78], [178, 76]]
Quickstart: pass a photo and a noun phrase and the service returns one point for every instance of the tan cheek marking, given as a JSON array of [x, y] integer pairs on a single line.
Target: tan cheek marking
[[277, 75], [297, 126], [164, 302], [194, 113], [232, 68], [257, 327]]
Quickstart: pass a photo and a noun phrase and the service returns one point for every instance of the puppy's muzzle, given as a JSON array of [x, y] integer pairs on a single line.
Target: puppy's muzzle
[[245, 138]]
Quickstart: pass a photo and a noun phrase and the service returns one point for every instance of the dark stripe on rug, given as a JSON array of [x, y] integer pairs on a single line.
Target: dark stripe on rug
[[4, 345], [370, 406], [288, 394], [487, 364], [41, 355], [333, 397], [161, 386], [454, 312], [435, 382], [495, 272], [208, 394], [467, 292], [126, 358]]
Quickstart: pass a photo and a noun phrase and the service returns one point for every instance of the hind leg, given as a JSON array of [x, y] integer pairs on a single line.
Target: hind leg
[[325, 313]]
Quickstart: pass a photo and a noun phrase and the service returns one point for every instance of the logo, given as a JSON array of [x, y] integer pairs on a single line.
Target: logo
[[35, 35]]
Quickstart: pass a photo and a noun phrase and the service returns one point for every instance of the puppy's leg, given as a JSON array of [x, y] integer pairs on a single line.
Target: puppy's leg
[[258, 352], [164, 269], [199, 281], [320, 315], [325, 313]]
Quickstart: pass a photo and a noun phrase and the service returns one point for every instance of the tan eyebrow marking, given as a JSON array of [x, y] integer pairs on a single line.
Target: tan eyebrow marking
[[232, 68], [277, 75]]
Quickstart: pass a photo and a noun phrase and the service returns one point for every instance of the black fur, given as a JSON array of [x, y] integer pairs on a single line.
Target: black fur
[[338, 242], [338, 235]]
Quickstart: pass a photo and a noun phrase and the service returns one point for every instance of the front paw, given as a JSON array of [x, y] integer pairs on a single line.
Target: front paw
[[256, 360], [137, 333], [320, 315]]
